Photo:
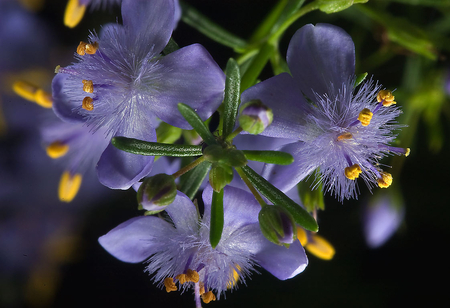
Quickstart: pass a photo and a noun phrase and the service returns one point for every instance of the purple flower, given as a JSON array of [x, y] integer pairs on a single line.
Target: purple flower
[[340, 131], [179, 248], [122, 84]]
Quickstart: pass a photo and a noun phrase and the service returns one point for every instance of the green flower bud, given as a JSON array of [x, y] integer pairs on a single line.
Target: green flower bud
[[157, 192], [220, 176], [277, 225], [255, 117], [213, 153], [225, 156]]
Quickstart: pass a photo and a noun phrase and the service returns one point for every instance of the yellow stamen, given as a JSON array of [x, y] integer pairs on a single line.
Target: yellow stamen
[[192, 275], [302, 237], [234, 278], [353, 172], [25, 90], [344, 136], [74, 13], [181, 278], [208, 297], [386, 180], [91, 48], [87, 103], [365, 116], [88, 86], [408, 150], [69, 186], [386, 97], [169, 284], [320, 247], [43, 98], [81, 49], [57, 149]]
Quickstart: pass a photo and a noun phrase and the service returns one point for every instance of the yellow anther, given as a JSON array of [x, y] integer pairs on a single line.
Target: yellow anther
[[91, 48], [181, 278], [88, 103], [353, 172], [320, 247], [365, 116], [386, 97], [302, 236], [386, 180], [57, 149], [169, 284], [208, 297], [69, 186], [88, 86], [25, 90], [74, 13], [408, 150], [43, 98], [344, 136], [81, 49], [234, 278], [192, 275]]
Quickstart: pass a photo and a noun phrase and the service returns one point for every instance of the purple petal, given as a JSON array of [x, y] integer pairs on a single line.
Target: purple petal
[[136, 239], [118, 169], [149, 20], [282, 262], [183, 213], [62, 105], [286, 177], [282, 94], [192, 77], [321, 58]]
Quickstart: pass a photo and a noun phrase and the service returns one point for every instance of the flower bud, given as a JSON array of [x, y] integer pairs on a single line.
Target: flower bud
[[157, 192], [255, 117], [225, 156], [220, 176], [277, 225]]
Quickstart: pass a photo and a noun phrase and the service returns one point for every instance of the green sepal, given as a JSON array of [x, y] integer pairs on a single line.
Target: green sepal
[[300, 215], [170, 47], [166, 133], [191, 181], [334, 6], [312, 198], [196, 122], [269, 157], [227, 156], [272, 222], [360, 78], [146, 148], [232, 97], [217, 219], [220, 176]]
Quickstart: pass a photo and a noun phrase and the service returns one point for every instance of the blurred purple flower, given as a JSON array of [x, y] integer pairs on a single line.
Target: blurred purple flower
[[329, 135], [124, 85], [181, 246]]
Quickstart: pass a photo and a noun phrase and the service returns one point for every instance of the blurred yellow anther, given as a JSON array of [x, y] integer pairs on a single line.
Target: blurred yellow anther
[[88, 86], [43, 98], [192, 275], [408, 150], [91, 48], [88, 103], [302, 236], [169, 284], [68, 186], [386, 180], [320, 247], [208, 297], [234, 278], [74, 13], [25, 90], [344, 136], [365, 116], [81, 49], [57, 149], [386, 97], [353, 172]]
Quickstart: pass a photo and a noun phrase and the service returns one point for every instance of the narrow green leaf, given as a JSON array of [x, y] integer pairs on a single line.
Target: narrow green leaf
[[191, 181], [232, 95], [216, 226], [269, 157], [146, 148], [300, 216], [196, 122], [204, 25]]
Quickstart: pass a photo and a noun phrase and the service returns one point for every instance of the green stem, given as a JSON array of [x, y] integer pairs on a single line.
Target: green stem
[[188, 167], [251, 187], [236, 132]]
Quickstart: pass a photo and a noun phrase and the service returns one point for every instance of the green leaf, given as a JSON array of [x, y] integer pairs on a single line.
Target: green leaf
[[256, 66], [232, 95], [191, 181], [334, 6], [311, 196], [146, 148], [300, 216], [216, 226], [166, 133], [269, 157], [204, 25], [196, 122], [360, 78]]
